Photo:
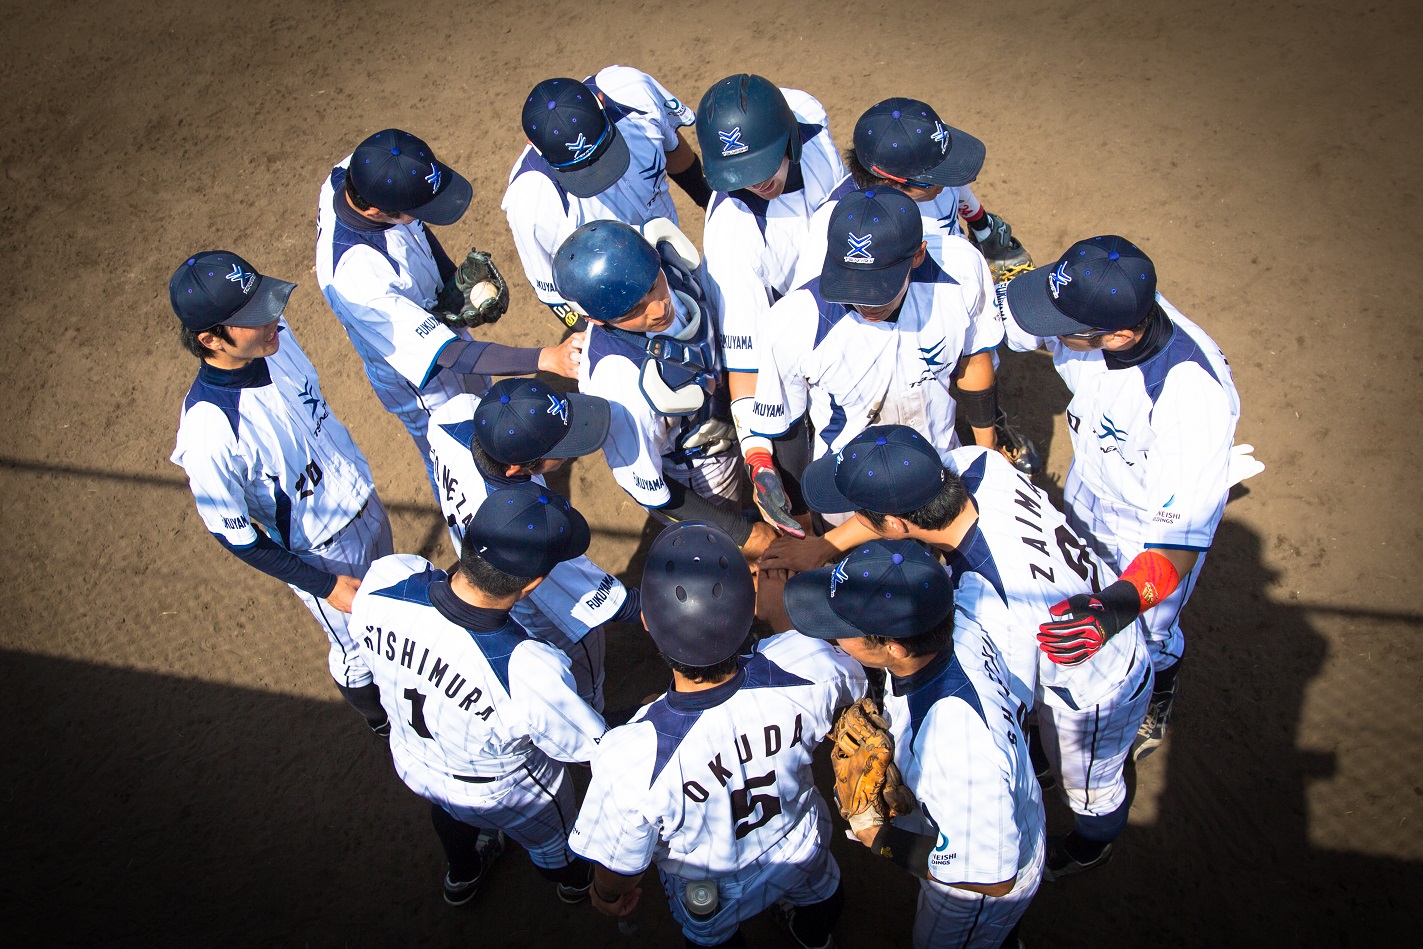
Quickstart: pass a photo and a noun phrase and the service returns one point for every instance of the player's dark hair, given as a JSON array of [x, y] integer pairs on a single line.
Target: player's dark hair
[[487, 578], [938, 513], [864, 178], [927, 643], [354, 196], [701, 674], [195, 346], [490, 464]]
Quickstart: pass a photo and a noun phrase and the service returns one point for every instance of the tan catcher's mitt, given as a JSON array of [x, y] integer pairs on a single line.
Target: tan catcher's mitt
[[868, 786]]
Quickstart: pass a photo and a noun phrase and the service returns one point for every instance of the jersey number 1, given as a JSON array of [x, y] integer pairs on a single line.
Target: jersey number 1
[[417, 713]]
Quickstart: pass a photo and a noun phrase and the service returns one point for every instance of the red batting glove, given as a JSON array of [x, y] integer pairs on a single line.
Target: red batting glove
[[770, 494], [1086, 621]]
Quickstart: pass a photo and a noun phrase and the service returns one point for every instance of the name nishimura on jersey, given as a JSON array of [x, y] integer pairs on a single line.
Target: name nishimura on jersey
[[463, 703], [269, 451], [1016, 562], [1152, 441], [851, 373], [706, 783], [752, 245], [577, 595], [542, 214], [380, 284], [959, 743]]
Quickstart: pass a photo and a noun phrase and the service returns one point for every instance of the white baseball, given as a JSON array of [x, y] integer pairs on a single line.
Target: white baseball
[[484, 290]]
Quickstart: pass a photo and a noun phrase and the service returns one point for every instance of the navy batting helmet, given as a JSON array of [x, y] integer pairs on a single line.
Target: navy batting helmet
[[697, 597], [745, 128], [604, 268]]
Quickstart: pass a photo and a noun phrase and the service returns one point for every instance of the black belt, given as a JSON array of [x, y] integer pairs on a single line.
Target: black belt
[[356, 517], [473, 779]]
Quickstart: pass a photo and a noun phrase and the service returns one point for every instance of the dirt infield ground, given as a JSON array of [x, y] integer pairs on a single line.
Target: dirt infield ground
[[177, 769]]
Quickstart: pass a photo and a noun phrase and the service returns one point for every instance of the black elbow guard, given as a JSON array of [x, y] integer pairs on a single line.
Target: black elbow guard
[[980, 409]]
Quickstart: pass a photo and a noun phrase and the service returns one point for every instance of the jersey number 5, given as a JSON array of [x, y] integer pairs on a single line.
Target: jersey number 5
[[744, 804]]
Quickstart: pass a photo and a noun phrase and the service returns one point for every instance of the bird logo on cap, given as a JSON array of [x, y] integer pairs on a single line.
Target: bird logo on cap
[[838, 576], [941, 135], [242, 278], [580, 147], [558, 407], [1058, 279], [860, 249], [731, 143], [433, 179]]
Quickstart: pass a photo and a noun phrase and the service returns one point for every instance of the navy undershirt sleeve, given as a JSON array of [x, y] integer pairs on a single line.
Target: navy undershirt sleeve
[[687, 505], [276, 561], [631, 608], [442, 259], [464, 357]]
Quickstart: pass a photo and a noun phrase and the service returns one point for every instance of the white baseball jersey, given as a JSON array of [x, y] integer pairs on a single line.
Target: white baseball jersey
[[577, 595], [463, 703], [542, 214], [851, 373], [959, 743], [751, 245], [705, 784], [642, 446], [1016, 562], [380, 282], [1152, 442], [940, 216], [260, 446]]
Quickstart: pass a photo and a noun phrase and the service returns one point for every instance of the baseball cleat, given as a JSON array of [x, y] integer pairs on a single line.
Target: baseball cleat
[[783, 915], [490, 846], [1153, 728], [576, 894], [1017, 447], [1060, 863]]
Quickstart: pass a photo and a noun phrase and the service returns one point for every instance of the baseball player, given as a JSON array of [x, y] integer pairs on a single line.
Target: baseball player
[[484, 715], [770, 162], [277, 479], [381, 270], [976, 841], [712, 781], [1011, 556], [599, 150], [652, 354], [902, 143], [519, 432], [880, 334], [1152, 419]]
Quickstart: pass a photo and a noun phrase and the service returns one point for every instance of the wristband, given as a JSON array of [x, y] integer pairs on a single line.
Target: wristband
[[1154, 577], [979, 407], [759, 458]]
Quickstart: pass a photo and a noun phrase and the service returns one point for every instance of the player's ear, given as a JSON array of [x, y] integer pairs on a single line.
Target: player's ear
[[921, 253], [895, 525], [530, 587], [513, 471]]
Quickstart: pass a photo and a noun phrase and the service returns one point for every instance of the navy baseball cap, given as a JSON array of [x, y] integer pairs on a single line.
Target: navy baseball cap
[[397, 172], [871, 243], [526, 530], [905, 139], [1102, 283], [890, 588], [889, 469], [521, 420], [569, 128], [218, 288]]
